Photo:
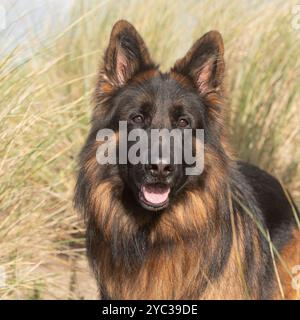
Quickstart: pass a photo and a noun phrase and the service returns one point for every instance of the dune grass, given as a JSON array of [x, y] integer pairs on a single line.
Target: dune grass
[[45, 109]]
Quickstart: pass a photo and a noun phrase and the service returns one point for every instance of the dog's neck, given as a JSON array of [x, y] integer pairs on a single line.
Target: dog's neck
[[194, 242]]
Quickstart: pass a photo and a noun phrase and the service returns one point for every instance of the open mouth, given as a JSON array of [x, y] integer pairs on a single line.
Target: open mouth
[[155, 196]]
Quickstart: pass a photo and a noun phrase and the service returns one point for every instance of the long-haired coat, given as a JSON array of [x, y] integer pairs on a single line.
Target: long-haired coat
[[154, 232]]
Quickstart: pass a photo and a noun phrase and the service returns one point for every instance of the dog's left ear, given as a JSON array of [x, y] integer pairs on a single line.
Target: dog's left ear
[[204, 63]]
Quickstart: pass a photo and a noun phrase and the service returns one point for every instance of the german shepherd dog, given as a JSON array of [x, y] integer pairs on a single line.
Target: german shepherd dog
[[153, 232]]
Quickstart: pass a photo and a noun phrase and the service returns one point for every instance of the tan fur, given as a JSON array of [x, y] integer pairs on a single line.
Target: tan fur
[[184, 81], [144, 76], [171, 266], [169, 274], [290, 254]]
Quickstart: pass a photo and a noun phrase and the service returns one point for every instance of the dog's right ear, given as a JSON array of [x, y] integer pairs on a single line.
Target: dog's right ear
[[204, 63], [125, 56]]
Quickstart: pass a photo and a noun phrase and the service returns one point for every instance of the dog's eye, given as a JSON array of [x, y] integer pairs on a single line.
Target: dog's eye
[[138, 119], [183, 123]]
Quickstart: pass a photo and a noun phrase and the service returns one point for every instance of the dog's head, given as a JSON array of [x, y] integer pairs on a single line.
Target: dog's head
[[133, 90]]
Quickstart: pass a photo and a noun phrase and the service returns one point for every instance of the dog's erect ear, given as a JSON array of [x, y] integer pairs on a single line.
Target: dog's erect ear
[[204, 63], [126, 54]]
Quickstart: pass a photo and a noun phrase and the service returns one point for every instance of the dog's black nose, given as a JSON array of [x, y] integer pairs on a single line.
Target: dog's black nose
[[160, 169]]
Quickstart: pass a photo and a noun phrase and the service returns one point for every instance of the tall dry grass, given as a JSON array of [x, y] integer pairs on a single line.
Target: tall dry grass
[[46, 103]]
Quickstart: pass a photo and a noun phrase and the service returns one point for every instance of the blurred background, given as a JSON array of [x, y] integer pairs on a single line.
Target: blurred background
[[49, 55]]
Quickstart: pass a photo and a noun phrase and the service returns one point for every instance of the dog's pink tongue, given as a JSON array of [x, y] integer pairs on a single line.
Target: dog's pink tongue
[[156, 194]]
